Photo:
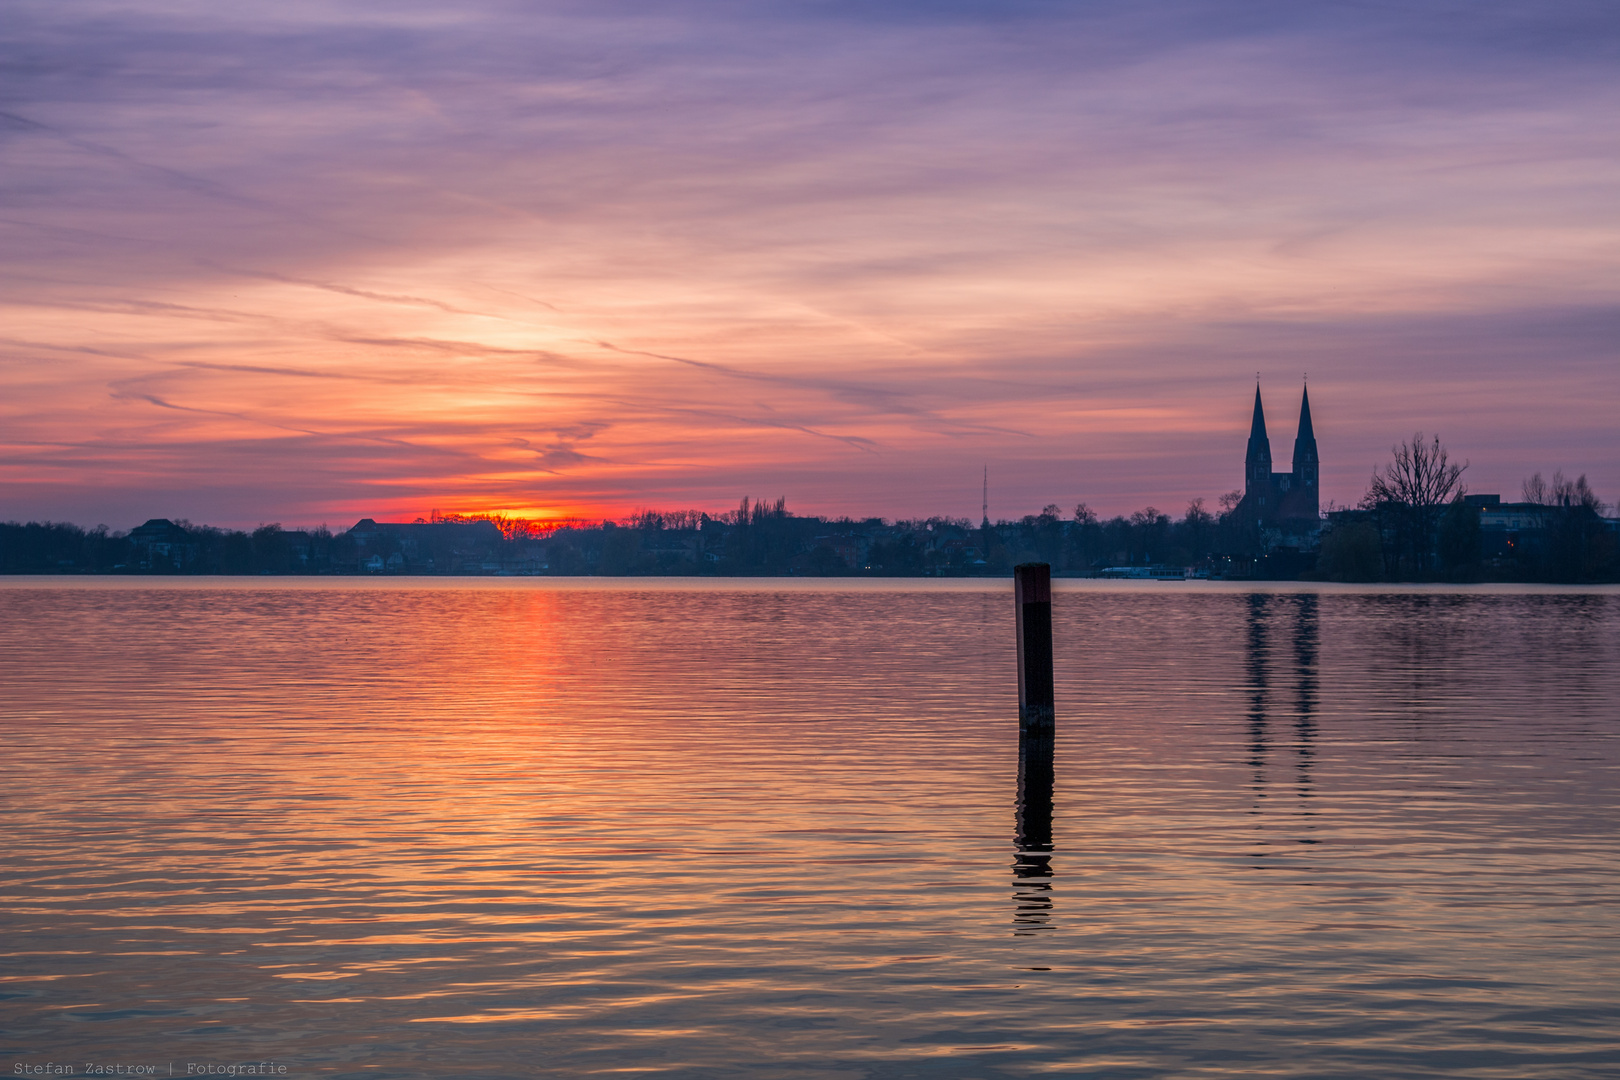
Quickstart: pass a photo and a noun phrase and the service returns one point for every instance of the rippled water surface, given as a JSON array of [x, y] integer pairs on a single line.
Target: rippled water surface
[[500, 828]]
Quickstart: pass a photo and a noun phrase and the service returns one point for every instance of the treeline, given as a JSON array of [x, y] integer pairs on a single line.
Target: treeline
[[1556, 534], [1416, 523], [58, 547], [763, 538], [47, 547], [760, 537]]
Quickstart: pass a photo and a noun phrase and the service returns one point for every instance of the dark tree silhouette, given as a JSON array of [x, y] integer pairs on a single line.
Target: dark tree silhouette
[[1409, 497], [1574, 546]]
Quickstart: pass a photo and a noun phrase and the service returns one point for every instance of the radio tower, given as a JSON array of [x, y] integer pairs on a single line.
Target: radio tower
[[984, 523]]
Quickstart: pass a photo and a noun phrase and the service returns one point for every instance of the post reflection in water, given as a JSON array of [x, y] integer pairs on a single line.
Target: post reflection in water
[[1263, 612], [1305, 664], [1258, 642], [1032, 862]]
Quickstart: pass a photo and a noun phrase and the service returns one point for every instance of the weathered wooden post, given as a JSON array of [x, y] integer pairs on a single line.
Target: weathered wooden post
[[1032, 594], [1032, 865]]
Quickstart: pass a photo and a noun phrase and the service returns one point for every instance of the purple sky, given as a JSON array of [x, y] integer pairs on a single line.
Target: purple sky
[[314, 261]]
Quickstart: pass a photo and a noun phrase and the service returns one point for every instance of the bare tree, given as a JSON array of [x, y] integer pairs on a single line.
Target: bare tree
[[1420, 475], [1535, 491], [1572, 543], [1197, 526], [1570, 494], [1411, 494]]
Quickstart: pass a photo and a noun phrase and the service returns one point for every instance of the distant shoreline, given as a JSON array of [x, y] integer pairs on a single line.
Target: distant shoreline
[[786, 583]]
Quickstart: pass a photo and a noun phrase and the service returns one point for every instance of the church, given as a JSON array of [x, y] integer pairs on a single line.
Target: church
[[1288, 502]]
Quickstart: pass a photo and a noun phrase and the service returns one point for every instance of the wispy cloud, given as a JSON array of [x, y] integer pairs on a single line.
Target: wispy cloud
[[580, 258]]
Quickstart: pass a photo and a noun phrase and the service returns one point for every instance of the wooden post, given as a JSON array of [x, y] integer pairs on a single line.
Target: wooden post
[[1032, 865], [1032, 594]]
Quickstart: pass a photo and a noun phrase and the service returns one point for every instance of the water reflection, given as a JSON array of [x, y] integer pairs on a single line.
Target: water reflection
[[1297, 616], [417, 830], [1306, 644], [1032, 862], [1257, 638]]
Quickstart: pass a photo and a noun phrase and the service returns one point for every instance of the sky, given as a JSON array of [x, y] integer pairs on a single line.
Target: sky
[[309, 262]]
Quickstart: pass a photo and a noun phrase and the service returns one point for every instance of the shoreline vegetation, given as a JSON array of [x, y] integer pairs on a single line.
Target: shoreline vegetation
[[1557, 534], [1417, 522]]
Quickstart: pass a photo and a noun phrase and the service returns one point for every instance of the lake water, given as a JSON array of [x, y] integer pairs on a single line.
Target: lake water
[[502, 828]]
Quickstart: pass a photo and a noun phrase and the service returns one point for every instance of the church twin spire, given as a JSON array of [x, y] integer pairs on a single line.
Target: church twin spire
[[1273, 496], [1305, 441], [1259, 444]]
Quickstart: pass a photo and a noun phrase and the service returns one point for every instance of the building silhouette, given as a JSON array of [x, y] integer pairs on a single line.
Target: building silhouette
[[162, 545], [1288, 502]]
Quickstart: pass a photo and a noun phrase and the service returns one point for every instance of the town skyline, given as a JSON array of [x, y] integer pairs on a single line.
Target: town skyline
[[1322, 498], [1325, 498], [1417, 521]]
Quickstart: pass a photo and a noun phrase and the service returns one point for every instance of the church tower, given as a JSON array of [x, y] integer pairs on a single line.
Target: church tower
[[1257, 465], [1289, 502], [1307, 467]]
